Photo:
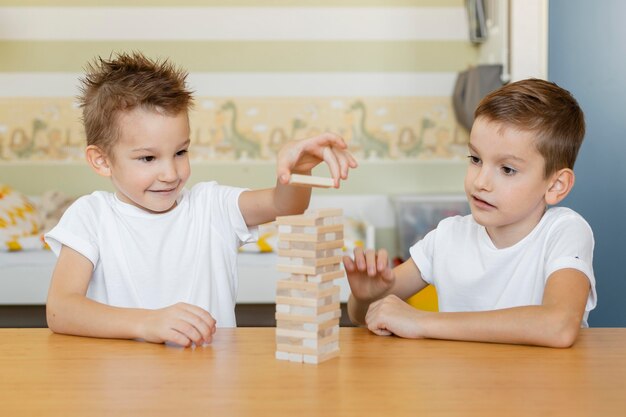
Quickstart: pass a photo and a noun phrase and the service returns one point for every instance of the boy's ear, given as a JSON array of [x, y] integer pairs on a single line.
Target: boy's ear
[[98, 160], [560, 185]]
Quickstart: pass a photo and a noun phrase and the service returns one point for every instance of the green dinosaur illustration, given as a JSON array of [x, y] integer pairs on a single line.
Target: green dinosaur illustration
[[370, 143], [278, 136], [236, 139], [25, 146], [417, 145]]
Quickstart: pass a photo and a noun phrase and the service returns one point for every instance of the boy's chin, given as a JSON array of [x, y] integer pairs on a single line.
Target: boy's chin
[[480, 221], [162, 211], [160, 208]]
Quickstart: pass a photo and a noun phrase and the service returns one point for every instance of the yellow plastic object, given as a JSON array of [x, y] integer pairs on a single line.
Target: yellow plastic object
[[426, 299]]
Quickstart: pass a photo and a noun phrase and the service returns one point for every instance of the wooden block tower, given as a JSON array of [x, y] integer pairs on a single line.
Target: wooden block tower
[[307, 302]]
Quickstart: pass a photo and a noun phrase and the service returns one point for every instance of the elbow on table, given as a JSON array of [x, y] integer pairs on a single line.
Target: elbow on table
[[52, 318], [563, 333]]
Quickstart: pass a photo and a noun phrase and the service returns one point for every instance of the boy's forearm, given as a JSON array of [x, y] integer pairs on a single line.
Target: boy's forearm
[[531, 325], [80, 316], [357, 310], [289, 199]]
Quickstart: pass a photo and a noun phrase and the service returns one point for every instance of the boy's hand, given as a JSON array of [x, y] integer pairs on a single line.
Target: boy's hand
[[391, 315], [182, 324], [369, 274], [301, 156]]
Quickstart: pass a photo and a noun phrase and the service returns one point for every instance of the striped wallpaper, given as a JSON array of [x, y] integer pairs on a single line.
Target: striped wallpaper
[[380, 73]]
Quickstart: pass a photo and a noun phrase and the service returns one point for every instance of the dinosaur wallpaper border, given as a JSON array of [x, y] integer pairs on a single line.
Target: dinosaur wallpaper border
[[228, 129]]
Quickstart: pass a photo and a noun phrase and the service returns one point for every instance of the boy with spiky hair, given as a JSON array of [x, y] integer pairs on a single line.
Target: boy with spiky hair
[[154, 260]]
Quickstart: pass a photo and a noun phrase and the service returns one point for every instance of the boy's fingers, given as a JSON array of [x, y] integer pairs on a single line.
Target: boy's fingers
[[382, 261], [348, 264], [177, 337], [370, 260], [187, 330], [359, 259], [352, 160], [333, 164], [344, 164], [200, 312], [387, 274], [329, 138], [283, 173], [200, 319]]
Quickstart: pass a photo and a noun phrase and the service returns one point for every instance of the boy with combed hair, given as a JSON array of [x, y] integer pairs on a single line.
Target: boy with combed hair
[[514, 271], [154, 260]]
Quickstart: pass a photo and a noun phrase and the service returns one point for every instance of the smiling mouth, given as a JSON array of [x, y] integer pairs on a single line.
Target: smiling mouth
[[169, 190]]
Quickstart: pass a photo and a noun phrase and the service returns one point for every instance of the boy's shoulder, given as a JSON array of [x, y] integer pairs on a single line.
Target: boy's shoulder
[[213, 192], [558, 215], [456, 223], [564, 218], [94, 200]]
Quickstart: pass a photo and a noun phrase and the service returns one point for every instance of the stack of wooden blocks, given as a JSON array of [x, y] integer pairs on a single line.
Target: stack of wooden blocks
[[307, 302]]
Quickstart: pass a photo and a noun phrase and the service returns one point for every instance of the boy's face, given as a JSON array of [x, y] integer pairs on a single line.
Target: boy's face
[[150, 164], [505, 182]]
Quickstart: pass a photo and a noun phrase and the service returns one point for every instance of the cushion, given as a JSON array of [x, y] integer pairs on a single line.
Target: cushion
[[20, 223]]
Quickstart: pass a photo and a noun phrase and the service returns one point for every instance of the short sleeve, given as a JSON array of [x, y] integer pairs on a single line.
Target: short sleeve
[[571, 245], [226, 216], [422, 254], [77, 230]]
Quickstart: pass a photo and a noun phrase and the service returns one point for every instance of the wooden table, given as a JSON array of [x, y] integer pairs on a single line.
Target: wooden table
[[44, 374]]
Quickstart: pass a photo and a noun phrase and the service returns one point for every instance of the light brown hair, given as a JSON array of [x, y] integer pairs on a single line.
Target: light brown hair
[[123, 83], [544, 108]]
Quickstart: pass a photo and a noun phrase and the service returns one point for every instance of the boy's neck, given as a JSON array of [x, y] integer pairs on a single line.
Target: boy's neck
[[506, 236]]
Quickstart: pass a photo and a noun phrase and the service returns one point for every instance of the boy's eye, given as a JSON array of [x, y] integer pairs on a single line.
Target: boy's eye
[[509, 171], [181, 153], [146, 158], [474, 159]]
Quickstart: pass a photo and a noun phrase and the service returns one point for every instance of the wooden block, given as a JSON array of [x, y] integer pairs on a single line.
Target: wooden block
[[296, 269], [326, 212], [302, 285], [295, 357], [295, 346], [308, 269], [313, 345], [297, 277], [314, 360], [317, 217], [309, 311], [308, 327], [302, 253], [335, 313], [310, 246], [308, 293], [291, 333], [294, 301], [324, 343], [315, 262], [309, 237], [326, 297], [327, 276], [311, 181], [285, 345], [310, 230]]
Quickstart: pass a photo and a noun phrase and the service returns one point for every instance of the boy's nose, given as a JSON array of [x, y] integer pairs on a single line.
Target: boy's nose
[[168, 173], [482, 180]]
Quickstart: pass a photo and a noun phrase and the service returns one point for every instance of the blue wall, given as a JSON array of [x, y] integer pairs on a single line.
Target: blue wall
[[587, 55]]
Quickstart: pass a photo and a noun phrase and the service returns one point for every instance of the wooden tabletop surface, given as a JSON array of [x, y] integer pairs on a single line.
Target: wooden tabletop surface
[[45, 374]]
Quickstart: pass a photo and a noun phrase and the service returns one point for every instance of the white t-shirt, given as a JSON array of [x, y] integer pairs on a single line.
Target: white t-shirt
[[471, 274], [146, 260]]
